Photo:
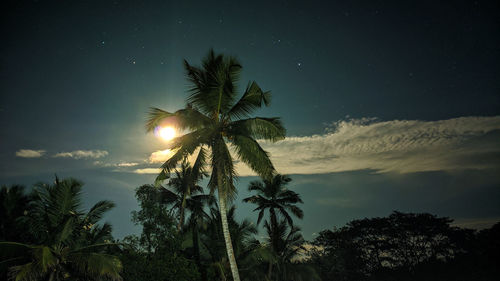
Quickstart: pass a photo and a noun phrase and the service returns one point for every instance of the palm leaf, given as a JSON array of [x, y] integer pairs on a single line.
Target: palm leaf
[[252, 99], [250, 152], [259, 128]]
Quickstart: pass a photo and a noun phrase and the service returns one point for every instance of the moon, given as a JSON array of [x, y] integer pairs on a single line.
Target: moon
[[167, 133]]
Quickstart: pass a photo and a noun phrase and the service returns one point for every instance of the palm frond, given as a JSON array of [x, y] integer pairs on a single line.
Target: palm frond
[[187, 118], [250, 152], [183, 146], [259, 128], [97, 265], [97, 211], [252, 99]]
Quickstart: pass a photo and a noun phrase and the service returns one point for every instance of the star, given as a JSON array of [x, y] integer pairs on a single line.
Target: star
[[299, 64]]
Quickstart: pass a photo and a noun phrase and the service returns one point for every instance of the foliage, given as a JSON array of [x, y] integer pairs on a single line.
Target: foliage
[[13, 205], [156, 253], [398, 247], [69, 242], [158, 225]]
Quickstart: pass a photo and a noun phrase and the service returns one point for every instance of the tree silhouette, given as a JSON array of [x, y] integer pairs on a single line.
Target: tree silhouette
[[213, 116]]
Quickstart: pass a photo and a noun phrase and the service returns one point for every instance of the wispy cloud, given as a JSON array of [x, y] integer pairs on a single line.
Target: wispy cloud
[[29, 153], [147, 171], [127, 164], [121, 164], [79, 154], [401, 146]]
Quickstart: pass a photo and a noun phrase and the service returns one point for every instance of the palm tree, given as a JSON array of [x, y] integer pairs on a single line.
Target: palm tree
[[70, 244], [286, 244], [185, 184], [213, 117], [197, 219], [272, 195]]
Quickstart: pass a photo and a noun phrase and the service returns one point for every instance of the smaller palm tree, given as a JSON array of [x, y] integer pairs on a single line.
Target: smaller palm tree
[[197, 221], [184, 185], [287, 244], [70, 244], [273, 195]]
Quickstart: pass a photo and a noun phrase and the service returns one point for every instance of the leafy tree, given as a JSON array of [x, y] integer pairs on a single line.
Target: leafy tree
[[69, 243], [397, 247], [272, 195], [158, 230], [156, 253], [213, 116]]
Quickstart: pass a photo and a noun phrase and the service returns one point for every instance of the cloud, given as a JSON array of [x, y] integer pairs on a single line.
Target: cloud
[[147, 171], [79, 154], [127, 164], [401, 146], [28, 153], [160, 156], [121, 164]]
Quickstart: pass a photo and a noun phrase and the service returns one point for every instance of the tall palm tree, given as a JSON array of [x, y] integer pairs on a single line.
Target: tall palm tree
[[70, 244], [215, 117], [185, 184]]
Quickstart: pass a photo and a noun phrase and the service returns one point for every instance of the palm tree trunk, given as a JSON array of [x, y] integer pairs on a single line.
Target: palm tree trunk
[[181, 215], [273, 237], [225, 230]]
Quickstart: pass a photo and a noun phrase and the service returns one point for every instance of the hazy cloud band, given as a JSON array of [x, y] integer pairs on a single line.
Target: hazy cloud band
[[401, 146]]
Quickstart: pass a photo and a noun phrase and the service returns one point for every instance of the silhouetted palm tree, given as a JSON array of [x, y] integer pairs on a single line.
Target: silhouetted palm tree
[[286, 246], [185, 184], [198, 218], [213, 116], [70, 244], [272, 195]]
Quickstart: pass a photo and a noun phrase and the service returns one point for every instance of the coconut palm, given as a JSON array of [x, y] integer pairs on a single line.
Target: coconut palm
[[215, 118], [70, 243], [197, 220], [272, 195], [185, 184], [287, 244]]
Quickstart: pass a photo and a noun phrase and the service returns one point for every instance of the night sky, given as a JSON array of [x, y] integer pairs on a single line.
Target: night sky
[[388, 105]]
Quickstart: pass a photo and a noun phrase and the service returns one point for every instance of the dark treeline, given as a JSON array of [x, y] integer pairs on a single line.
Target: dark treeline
[[48, 236]]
